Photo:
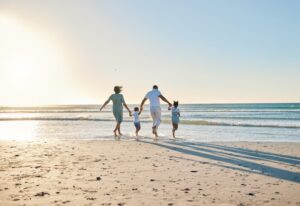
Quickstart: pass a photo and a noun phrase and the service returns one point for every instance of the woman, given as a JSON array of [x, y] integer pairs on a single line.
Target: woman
[[118, 102]]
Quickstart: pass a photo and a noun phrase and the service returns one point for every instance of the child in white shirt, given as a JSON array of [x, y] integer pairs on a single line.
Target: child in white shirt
[[136, 120]]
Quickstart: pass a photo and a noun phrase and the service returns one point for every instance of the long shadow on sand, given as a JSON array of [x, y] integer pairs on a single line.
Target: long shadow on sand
[[242, 152], [238, 158]]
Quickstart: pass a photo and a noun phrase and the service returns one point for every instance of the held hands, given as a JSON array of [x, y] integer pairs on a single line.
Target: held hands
[[130, 114], [141, 109]]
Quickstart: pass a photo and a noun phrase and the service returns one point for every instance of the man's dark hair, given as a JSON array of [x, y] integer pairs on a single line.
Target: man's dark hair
[[155, 87], [117, 89], [136, 109]]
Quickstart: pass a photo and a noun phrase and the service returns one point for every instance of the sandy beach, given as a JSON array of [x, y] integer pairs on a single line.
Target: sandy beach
[[75, 172]]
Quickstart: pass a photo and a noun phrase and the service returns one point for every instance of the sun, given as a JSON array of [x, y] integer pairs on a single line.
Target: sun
[[22, 52], [19, 69], [29, 58]]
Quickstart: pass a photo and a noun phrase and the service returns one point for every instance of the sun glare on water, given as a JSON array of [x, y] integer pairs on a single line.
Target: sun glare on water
[[18, 130]]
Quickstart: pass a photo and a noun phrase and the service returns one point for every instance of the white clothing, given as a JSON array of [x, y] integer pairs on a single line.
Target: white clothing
[[136, 118], [156, 115], [153, 97]]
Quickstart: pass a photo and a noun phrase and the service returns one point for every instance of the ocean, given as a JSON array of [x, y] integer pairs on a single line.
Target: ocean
[[199, 122]]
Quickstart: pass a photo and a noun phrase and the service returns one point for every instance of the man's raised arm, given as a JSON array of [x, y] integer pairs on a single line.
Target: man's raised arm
[[165, 100], [142, 104]]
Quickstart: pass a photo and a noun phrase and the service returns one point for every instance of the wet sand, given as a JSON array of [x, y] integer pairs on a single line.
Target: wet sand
[[74, 172]]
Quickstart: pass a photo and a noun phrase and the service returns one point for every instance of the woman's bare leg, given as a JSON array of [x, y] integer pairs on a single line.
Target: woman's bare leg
[[119, 128], [115, 130]]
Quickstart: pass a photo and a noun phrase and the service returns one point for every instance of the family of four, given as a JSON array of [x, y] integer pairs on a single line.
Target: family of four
[[154, 97]]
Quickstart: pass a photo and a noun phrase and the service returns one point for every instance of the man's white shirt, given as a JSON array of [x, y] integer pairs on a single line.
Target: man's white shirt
[[153, 97]]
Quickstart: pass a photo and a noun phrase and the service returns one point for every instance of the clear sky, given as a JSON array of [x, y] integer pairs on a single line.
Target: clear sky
[[201, 51]]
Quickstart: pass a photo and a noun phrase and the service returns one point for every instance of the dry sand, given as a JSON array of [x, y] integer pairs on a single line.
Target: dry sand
[[61, 172]]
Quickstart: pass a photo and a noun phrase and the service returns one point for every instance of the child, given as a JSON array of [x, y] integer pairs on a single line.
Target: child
[[175, 117], [136, 120]]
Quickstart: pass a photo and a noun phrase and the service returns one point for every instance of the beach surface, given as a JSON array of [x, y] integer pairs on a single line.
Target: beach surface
[[82, 172]]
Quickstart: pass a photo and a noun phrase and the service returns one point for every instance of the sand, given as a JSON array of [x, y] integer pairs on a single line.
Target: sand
[[76, 172]]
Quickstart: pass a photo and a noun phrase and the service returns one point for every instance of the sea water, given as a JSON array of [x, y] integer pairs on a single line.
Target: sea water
[[198, 122]]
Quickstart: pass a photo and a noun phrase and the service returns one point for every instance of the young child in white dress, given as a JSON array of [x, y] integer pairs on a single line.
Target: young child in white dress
[[175, 117]]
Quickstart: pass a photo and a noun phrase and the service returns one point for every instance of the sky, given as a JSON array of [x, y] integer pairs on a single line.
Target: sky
[[196, 51]]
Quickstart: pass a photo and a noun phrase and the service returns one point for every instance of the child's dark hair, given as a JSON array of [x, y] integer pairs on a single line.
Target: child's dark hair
[[175, 104], [136, 109], [117, 89]]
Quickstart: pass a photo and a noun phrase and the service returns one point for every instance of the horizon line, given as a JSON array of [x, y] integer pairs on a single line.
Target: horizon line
[[71, 104]]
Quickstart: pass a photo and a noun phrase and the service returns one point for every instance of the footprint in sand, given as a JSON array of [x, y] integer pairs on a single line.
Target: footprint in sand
[[186, 190], [65, 202], [91, 198], [41, 194]]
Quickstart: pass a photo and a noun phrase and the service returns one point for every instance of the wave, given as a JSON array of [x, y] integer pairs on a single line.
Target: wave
[[55, 119], [52, 111], [238, 118], [146, 110], [211, 123], [183, 122], [190, 108]]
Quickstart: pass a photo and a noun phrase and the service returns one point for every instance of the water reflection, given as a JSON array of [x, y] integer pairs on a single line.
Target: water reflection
[[18, 130]]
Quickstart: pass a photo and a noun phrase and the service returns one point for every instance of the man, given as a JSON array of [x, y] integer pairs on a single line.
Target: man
[[154, 95]]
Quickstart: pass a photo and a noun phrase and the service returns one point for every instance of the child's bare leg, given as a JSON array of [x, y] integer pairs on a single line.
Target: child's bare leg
[[137, 131], [153, 129], [155, 133], [137, 134], [175, 127]]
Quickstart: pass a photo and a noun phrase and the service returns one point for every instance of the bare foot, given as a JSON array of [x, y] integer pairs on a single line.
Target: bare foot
[[153, 129], [115, 133]]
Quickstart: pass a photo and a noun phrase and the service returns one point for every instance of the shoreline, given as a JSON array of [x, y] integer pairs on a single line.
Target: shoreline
[[128, 172]]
